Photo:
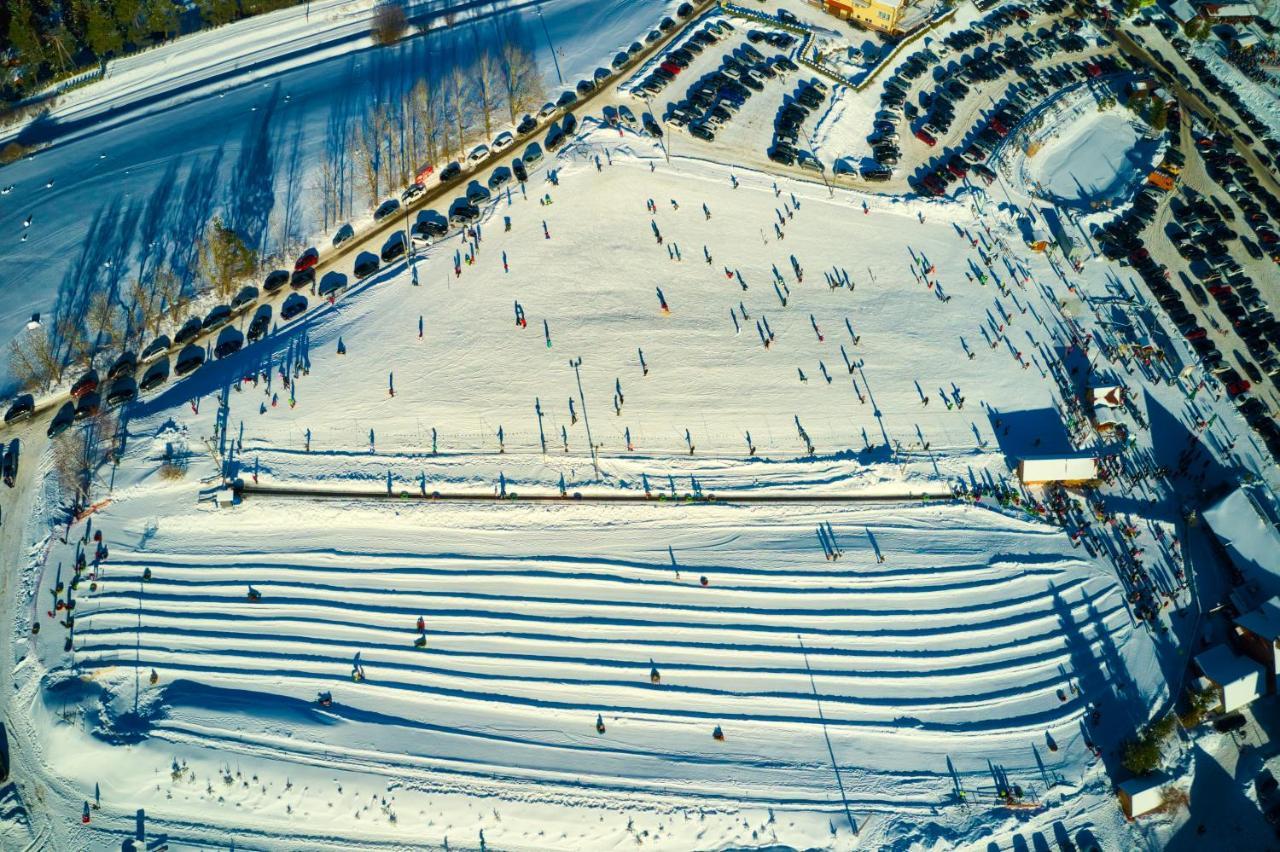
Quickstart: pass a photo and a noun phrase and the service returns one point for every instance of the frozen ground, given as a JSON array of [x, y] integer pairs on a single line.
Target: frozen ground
[[248, 141], [952, 646], [1097, 157]]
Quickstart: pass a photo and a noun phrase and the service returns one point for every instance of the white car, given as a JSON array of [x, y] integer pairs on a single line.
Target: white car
[[478, 153], [502, 140], [546, 110], [628, 117]]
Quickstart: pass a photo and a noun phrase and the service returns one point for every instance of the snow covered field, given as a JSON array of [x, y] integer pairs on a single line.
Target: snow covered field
[[952, 648], [1098, 159], [115, 194]]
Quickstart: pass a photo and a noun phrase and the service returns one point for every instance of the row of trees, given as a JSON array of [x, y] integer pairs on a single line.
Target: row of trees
[[53, 37], [434, 121], [130, 317]]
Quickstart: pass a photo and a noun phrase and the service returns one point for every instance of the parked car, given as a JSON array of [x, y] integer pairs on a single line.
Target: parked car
[[86, 384], [10, 465], [155, 349], [500, 176], [517, 168], [229, 342], [189, 359], [392, 249], [126, 364], [62, 420], [365, 265], [478, 153], [503, 141], [275, 280], [307, 259], [219, 316], [156, 375], [385, 209], [305, 278], [527, 125], [190, 331], [21, 409], [532, 154], [89, 404], [260, 324], [293, 306], [343, 234], [450, 171], [247, 296], [123, 391]]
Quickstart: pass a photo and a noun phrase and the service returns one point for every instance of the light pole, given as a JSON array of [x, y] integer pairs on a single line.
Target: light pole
[[576, 363], [550, 46]]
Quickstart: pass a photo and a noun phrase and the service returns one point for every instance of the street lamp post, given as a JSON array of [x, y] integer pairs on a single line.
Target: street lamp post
[[550, 46], [576, 363]]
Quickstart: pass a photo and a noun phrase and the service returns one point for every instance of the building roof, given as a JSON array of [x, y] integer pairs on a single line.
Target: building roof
[[1231, 10], [1245, 521], [1223, 666], [1058, 468], [1263, 622], [1144, 793], [1182, 10]]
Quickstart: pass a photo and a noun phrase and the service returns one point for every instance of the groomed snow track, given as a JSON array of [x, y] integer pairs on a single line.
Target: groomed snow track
[[956, 644]]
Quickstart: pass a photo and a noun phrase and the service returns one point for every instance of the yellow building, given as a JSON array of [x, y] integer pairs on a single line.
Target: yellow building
[[883, 15]]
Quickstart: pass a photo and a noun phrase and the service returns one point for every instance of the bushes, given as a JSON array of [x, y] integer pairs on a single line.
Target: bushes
[[12, 152], [1143, 753], [389, 22]]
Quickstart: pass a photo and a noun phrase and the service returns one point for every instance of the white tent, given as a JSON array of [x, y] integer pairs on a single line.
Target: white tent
[[1238, 679], [1038, 470]]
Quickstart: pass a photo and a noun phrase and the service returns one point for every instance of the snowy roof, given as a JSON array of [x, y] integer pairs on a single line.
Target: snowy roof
[[1112, 395], [1251, 537], [1264, 621], [1182, 10], [1223, 666], [1058, 468], [1231, 10], [1144, 793]]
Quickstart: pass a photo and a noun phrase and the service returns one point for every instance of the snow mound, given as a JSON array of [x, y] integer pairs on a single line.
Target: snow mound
[[1096, 159]]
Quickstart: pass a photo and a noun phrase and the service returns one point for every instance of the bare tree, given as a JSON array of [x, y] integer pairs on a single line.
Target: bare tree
[[389, 22], [76, 455], [488, 81], [33, 359], [520, 77], [170, 296], [101, 320], [458, 93]]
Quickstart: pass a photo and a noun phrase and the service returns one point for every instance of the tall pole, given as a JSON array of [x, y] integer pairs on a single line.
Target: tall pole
[[576, 363], [550, 46]]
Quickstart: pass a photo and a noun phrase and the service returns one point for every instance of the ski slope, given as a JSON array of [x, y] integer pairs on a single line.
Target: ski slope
[[954, 647]]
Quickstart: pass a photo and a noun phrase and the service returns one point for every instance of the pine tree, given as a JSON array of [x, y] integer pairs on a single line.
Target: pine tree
[[161, 18], [224, 258], [101, 33], [23, 36]]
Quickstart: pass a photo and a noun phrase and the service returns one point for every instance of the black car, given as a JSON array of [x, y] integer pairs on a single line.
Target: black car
[[385, 209], [463, 213], [62, 420], [651, 125], [555, 138], [528, 124], [22, 408], [684, 10], [127, 363], [216, 318], [189, 359], [366, 265], [586, 87], [394, 248], [500, 176], [11, 462], [89, 405], [781, 156], [275, 281], [569, 124], [433, 225], [260, 323], [701, 131], [294, 305], [876, 173], [190, 331], [121, 392], [230, 343], [517, 168], [155, 376], [303, 278], [450, 171], [246, 297]]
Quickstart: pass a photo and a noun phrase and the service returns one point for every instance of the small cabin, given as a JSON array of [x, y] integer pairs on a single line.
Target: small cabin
[[1236, 680], [1140, 796], [1068, 470]]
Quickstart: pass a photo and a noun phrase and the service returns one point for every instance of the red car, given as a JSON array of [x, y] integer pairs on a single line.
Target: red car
[[670, 67], [1237, 388], [1197, 333], [927, 139], [86, 384], [1219, 290], [1139, 254], [999, 128], [309, 258]]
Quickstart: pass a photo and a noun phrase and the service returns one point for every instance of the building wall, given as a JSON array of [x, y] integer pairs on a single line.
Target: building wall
[[883, 15]]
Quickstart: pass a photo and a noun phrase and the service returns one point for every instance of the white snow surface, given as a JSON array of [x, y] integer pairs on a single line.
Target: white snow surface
[[851, 693]]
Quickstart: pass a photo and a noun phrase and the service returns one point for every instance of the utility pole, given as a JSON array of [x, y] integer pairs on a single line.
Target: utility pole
[[550, 46], [576, 363]]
